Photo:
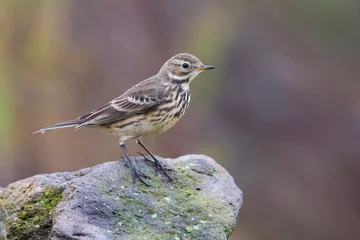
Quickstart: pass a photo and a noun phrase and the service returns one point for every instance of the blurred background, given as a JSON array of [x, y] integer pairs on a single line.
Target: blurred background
[[281, 112]]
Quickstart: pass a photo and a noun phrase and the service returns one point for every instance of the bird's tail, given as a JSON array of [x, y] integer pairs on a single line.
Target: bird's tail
[[71, 123]]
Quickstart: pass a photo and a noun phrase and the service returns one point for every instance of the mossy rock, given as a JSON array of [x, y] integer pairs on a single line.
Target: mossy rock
[[102, 202], [34, 220], [3, 215]]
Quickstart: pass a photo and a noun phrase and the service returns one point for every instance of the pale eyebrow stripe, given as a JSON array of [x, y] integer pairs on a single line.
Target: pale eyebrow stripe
[[180, 61]]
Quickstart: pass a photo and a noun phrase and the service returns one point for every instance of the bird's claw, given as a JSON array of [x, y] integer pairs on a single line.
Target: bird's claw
[[159, 166], [140, 176], [136, 173], [126, 162]]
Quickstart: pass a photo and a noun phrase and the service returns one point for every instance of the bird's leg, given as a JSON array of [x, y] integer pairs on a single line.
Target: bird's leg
[[127, 164], [148, 159], [124, 159], [157, 162], [132, 167]]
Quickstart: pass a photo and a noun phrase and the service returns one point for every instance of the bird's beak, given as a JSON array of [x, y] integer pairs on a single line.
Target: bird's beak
[[204, 67]]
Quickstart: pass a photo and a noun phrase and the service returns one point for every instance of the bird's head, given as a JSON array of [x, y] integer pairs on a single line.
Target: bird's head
[[183, 67]]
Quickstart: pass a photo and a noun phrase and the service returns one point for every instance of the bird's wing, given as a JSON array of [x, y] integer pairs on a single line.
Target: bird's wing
[[137, 100]]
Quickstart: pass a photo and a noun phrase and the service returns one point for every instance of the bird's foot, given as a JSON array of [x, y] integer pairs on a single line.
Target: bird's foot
[[159, 166], [140, 176], [136, 174], [127, 163]]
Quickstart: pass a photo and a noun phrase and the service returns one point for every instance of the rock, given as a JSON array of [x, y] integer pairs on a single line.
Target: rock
[[102, 202], [3, 215]]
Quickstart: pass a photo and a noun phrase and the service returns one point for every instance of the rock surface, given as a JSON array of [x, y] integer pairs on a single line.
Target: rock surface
[[102, 202], [3, 215]]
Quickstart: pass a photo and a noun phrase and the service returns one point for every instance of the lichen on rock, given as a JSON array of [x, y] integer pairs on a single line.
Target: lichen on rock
[[3, 215], [34, 220], [102, 202]]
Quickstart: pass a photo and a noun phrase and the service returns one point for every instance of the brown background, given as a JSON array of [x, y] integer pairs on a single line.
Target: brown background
[[281, 112]]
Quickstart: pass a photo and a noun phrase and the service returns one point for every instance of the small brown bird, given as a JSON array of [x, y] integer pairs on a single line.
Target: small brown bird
[[147, 109]]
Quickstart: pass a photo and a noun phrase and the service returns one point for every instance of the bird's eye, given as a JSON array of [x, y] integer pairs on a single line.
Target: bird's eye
[[185, 65]]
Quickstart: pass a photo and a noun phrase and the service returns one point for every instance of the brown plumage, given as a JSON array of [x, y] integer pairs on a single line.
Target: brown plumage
[[147, 109]]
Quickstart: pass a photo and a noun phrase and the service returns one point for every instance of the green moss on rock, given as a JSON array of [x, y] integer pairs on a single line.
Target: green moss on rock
[[163, 212], [34, 221]]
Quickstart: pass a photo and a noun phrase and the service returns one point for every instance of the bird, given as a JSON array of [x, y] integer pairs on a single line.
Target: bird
[[147, 109]]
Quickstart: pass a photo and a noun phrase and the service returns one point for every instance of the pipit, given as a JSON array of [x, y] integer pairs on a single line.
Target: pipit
[[147, 109]]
